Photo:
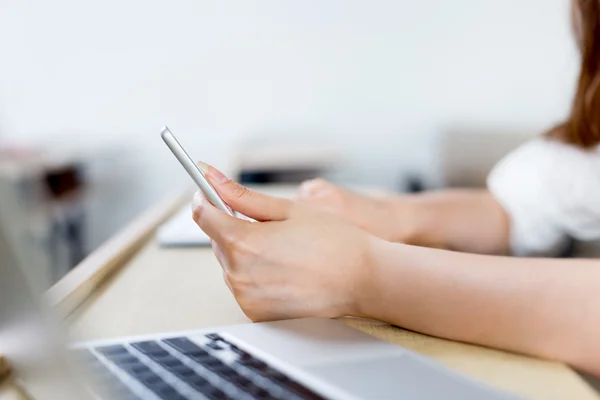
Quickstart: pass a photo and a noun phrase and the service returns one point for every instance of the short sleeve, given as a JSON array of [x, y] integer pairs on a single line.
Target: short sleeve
[[551, 192]]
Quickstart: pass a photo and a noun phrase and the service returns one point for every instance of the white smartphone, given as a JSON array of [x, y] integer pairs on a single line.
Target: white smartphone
[[195, 173]]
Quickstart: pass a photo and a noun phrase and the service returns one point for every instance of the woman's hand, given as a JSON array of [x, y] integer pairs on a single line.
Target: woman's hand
[[389, 218], [295, 261]]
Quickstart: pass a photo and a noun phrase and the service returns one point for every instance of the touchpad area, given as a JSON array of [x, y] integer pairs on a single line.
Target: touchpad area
[[404, 377]]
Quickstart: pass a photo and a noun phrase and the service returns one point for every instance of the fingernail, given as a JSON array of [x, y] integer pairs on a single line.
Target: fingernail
[[214, 173]]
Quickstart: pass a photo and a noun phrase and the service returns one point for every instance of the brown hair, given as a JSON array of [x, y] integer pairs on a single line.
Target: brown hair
[[582, 128]]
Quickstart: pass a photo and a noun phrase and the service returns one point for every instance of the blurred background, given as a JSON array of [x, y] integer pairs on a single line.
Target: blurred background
[[398, 94]]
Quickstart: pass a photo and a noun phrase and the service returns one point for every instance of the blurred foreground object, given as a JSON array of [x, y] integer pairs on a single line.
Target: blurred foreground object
[[4, 368], [42, 196]]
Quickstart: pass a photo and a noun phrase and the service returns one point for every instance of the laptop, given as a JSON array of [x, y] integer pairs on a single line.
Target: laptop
[[294, 359]]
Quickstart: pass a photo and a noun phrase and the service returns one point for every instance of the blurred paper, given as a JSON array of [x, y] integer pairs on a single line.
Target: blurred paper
[[182, 231]]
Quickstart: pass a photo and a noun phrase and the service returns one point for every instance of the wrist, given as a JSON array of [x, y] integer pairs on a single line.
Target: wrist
[[370, 292], [404, 216], [390, 292]]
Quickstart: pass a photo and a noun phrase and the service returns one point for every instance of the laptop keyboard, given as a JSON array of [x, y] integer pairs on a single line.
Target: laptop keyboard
[[180, 369]]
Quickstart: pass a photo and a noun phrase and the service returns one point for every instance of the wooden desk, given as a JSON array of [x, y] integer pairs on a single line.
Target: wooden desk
[[162, 289]]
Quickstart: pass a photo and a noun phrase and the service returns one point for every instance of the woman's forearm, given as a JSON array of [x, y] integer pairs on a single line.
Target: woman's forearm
[[463, 220], [541, 307]]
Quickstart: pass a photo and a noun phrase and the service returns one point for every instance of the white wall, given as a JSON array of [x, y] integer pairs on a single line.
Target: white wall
[[397, 70]]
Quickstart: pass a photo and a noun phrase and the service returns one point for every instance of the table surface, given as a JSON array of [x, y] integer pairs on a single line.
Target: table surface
[[169, 289]]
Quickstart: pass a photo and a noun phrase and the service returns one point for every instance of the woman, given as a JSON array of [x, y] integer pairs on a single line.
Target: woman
[[335, 253]]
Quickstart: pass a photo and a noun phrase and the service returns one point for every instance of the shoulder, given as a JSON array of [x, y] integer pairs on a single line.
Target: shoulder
[[547, 166], [551, 191], [543, 153]]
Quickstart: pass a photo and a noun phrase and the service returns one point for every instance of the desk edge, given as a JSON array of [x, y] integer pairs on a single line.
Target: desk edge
[[75, 287]]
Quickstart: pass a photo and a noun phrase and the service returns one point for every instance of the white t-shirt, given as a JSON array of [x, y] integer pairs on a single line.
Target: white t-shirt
[[551, 192]]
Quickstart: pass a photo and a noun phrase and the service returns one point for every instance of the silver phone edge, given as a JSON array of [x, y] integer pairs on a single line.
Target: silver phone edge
[[192, 169]]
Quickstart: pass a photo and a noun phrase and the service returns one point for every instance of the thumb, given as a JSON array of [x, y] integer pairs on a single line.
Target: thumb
[[219, 226], [255, 205]]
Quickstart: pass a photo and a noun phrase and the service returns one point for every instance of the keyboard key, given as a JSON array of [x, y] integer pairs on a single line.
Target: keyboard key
[[211, 361], [149, 379], [206, 360], [198, 382], [112, 350], [182, 371], [214, 336], [215, 346], [221, 369], [241, 382], [273, 374], [157, 385], [200, 355], [277, 378], [164, 391], [226, 372], [261, 393], [239, 351], [254, 364], [149, 348], [247, 386], [169, 362], [123, 360], [215, 394], [188, 348], [136, 369], [182, 345]]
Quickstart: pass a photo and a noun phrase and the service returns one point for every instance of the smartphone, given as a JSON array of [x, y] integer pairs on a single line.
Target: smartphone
[[195, 173]]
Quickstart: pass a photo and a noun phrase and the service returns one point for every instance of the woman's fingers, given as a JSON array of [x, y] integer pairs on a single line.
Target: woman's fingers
[[255, 205], [311, 188], [222, 228]]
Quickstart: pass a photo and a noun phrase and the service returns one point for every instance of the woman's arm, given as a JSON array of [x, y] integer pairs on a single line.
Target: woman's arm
[[542, 307], [462, 220]]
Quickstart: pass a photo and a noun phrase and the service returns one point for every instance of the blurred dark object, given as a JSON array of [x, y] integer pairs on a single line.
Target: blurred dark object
[[4, 368], [64, 180], [278, 176], [65, 186], [269, 160], [42, 193], [412, 184]]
